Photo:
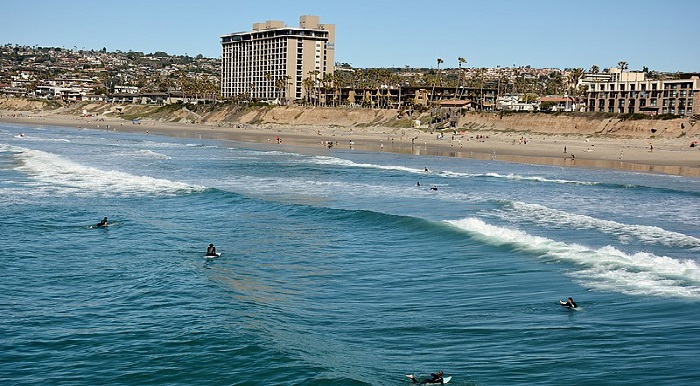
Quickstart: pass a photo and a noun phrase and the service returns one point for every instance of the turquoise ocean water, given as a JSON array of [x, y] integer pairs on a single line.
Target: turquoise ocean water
[[337, 269]]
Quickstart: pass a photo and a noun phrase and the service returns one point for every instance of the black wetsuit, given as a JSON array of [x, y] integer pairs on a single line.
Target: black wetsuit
[[434, 380], [211, 251]]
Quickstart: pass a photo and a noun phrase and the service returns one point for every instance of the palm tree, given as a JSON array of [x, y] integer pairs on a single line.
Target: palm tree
[[268, 80], [432, 93], [623, 65], [460, 60], [281, 86], [595, 69], [574, 77]]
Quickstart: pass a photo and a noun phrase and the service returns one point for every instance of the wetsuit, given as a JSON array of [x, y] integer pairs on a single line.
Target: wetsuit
[[569, 304], [434, 380]]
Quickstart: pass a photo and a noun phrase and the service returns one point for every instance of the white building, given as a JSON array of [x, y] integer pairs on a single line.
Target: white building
[[276, 62]]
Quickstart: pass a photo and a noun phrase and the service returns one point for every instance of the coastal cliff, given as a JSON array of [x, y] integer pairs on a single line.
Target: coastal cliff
[[588, 124]]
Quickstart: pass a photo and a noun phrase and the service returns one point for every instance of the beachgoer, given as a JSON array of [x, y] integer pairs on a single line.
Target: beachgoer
[[102, 223], [211, 250], [570, 303], [436, 378]]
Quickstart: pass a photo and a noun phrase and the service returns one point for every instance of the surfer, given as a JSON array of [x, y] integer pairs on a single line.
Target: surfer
[[102, 223], [211, 250], [434, 187], [435, 378], [569, 303]]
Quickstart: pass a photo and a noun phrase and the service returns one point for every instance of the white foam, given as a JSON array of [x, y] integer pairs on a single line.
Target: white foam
[[54, 174], [517, 177], [151, 154], [647, 234], [324, 160], [605, 268]]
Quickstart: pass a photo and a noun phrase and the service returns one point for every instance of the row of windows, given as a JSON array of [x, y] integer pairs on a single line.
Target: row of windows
[[644, 94], [643, 102], [665, 110], [642, 87]]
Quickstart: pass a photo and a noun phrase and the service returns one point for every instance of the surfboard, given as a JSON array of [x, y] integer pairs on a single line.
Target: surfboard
[[444, 380], [211, 256], [102, 226]]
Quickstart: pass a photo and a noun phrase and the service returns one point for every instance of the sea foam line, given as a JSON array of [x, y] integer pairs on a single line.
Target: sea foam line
[[58, 173], [324, 160], [645, 233], [605, 268]]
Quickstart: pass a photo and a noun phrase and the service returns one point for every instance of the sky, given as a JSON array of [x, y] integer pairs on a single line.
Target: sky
[[659, 35]]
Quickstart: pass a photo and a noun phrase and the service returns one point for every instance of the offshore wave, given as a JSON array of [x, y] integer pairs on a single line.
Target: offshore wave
[[53, 174], [326, 160], [606, 268], [545, 216]]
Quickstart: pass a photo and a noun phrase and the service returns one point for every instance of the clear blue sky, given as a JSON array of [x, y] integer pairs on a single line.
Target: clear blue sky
[[661, 35]]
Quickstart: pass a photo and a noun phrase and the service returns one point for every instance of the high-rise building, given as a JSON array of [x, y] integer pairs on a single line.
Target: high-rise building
[[277, 62]]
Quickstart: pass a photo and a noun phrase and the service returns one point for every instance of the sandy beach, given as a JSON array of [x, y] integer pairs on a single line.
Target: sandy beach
[[659, 155]]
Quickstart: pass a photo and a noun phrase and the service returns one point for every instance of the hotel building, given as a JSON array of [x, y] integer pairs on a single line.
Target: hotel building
[[616, 91], [275, 62]]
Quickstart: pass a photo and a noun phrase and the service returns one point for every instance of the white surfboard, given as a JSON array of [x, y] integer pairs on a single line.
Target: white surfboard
[[212, 256]]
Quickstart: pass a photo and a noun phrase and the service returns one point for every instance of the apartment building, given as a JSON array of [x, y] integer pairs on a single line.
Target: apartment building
[[617, 91], [277, 62]]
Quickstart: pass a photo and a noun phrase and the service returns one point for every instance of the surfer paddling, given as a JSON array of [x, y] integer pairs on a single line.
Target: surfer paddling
[[569, 303], [102, 223], [436, 378]]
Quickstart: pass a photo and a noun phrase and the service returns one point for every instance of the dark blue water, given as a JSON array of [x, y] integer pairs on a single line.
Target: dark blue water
[[336, 268]]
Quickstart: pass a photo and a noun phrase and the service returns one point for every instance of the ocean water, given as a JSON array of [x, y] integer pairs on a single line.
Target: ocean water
[[336, 268]]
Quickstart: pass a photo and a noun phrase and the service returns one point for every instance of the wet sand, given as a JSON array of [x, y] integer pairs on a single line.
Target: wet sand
[[658, 155]]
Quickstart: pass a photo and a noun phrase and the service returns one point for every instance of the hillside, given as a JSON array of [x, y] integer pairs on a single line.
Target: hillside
[[592, 124]]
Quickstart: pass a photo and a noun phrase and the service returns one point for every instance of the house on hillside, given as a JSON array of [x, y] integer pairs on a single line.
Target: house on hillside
[[558, 103]]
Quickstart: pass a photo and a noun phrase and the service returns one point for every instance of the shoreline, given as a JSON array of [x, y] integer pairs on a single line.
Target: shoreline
[[671, 156]]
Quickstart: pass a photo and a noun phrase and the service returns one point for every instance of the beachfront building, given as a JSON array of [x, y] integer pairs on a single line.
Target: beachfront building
[[617, 91], [274, 62]]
